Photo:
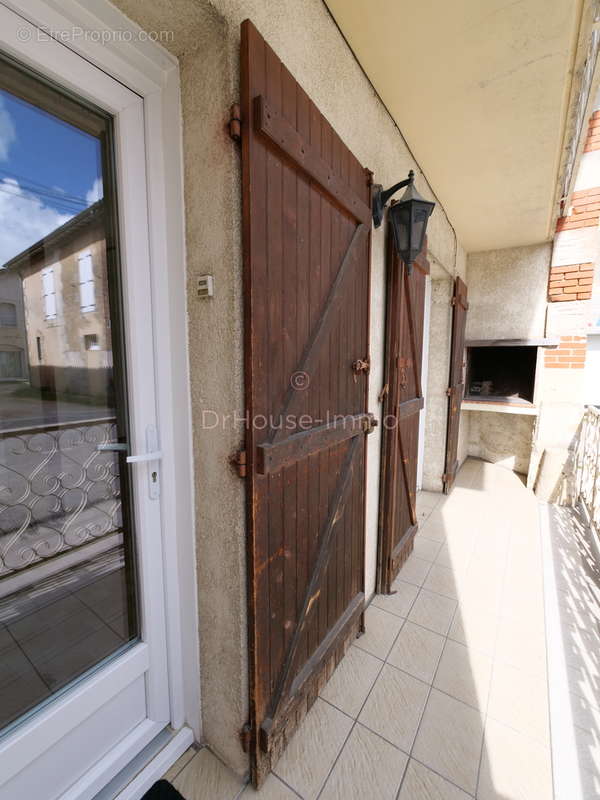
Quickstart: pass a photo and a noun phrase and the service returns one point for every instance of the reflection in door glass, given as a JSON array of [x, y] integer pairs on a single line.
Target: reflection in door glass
[[67, 596]]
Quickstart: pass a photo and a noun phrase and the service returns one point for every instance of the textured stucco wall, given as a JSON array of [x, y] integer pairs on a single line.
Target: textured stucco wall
[[206, 41], [503, 439], [507, 292], [436, 401]]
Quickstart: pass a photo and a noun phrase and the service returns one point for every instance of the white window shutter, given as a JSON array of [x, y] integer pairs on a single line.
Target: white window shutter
[[49, 293], [87, 291]]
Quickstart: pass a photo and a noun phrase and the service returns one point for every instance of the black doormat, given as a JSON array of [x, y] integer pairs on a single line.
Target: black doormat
[[162, 790]]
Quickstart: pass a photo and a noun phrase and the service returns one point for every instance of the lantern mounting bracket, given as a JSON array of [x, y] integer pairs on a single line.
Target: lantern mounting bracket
[[381, 197]]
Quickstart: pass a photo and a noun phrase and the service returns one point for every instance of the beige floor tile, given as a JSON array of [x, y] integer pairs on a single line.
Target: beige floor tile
[[449, 740], [400, 601], [272, 789], [207, 778], [381, 628], [441, 580], [454, 556], [520, 700], [420, 783], [521, 646], [368, 766], [425, 548], [313, 749], [513, 766], [433, 611], [352, 681], [394, 707], [433, 528], [475, 627], [465, 674], [417, 651], [183, 759], [414, 570]]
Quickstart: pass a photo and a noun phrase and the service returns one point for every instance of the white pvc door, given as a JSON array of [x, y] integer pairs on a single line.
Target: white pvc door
[[83, 674]]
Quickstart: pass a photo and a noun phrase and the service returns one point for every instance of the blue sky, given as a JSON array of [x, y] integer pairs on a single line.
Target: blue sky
[[49, 171]]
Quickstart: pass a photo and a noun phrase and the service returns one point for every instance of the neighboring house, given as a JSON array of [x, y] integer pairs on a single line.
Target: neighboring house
[[13, 342], [64, 297], [248, 285]]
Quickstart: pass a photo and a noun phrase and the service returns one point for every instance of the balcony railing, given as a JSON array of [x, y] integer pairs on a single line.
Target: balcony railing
[[57, 491], [587, 466]]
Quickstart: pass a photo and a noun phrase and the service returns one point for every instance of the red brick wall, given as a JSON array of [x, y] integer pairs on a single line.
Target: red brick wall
[[593, 136], [570, 354], [572, 282], [584, 211]]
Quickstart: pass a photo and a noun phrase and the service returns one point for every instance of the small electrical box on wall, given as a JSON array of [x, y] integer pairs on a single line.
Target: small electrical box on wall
[[206, 286]]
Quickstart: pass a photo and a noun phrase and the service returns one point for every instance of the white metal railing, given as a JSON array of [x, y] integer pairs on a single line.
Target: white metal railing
[[58, 490], [587, 465]]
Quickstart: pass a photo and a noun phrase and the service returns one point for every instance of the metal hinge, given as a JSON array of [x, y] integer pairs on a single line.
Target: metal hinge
[[245, 737], [384, 392], [235, 123], [361, 365], [449, 391], [238, 461]]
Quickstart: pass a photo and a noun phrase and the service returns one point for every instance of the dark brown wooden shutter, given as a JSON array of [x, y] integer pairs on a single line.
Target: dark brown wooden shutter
[[456, 388], [306, 231], [402, 402]]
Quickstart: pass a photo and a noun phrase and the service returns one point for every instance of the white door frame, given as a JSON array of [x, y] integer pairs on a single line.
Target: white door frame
[[152, 73]]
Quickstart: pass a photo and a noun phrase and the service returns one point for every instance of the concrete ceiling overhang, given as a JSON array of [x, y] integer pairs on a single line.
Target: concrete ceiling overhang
[[481, 91]]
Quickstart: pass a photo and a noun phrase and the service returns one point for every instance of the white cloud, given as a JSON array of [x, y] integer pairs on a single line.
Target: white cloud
[[25, 219], [95, 193], [8, 133]]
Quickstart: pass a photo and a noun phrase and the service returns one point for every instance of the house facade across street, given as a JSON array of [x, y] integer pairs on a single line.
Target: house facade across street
[[241, 383]]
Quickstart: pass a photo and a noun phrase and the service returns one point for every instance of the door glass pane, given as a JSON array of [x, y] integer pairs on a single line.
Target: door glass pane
[[67, 588]]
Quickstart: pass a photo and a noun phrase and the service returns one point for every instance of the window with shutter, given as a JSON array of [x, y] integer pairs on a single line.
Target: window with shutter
[[87, 292], [8, 315], [49, 293]]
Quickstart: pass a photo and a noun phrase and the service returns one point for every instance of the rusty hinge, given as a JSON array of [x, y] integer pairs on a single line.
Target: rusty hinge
[[449, 391], [371, 424], [384, 392], [235, 123], [238, 462], [245, 737], [361, 365]]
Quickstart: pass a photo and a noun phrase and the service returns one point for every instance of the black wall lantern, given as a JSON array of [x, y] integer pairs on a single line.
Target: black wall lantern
[[408, 217]]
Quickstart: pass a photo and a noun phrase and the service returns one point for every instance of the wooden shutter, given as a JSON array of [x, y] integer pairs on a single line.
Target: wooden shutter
[[456, 388], [306, 226], [402, 402]]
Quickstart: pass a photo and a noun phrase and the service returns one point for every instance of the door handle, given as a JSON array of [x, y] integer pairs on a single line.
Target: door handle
[[156, 455], [152, 454]]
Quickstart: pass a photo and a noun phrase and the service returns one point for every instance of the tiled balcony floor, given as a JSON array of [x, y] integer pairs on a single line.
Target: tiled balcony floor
[[445, 697]]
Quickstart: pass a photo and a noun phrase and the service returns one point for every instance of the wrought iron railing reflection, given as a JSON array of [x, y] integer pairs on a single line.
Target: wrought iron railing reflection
[[587, 465], [57, 490]]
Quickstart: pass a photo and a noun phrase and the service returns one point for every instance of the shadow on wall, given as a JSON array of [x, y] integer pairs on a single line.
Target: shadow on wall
[[574, 631], [568, 479]]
